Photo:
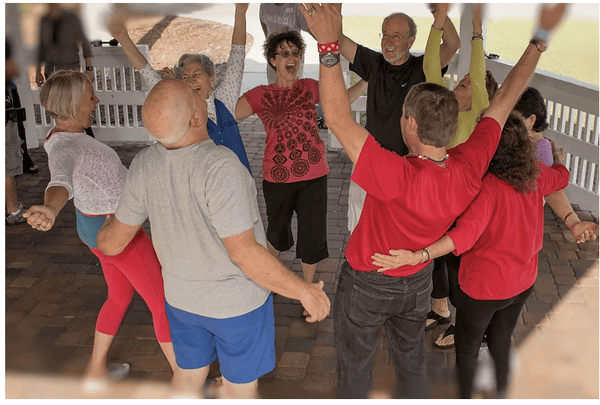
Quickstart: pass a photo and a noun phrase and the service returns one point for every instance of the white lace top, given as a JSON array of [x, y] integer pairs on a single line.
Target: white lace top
[[228, 81], [91, 171]]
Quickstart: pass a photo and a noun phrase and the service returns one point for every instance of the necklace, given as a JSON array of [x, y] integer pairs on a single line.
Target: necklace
[[435, 160]]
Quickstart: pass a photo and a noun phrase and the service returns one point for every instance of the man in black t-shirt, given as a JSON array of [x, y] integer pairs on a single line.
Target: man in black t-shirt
[[390, 74]]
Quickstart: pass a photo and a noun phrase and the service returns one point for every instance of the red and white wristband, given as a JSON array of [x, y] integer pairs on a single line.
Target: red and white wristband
[[331, 47]]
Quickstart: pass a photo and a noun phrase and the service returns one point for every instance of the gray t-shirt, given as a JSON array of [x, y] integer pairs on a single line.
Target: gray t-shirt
[[287, 15], [194, 197]]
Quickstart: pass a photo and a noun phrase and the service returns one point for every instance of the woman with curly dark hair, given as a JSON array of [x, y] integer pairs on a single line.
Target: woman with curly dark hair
[[499, 237], [294, 164]]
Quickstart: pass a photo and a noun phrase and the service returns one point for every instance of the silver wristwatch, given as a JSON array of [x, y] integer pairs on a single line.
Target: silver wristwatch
[[329, 59]]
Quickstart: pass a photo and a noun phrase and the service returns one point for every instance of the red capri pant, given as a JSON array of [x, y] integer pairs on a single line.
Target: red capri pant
[[135, 268]]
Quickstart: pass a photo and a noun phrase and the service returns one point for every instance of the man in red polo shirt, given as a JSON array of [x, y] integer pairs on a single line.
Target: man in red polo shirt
[[411, 202]]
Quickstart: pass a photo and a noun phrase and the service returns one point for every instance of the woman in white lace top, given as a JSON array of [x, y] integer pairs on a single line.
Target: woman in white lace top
[[91, 173]]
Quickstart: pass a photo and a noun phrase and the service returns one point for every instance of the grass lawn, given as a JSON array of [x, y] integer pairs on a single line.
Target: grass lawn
[[573, 51]]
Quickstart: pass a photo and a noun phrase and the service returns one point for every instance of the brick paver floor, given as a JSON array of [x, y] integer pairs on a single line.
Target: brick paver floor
[[54, 288]]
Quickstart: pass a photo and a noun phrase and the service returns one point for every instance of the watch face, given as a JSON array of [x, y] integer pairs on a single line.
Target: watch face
[[329, 59]]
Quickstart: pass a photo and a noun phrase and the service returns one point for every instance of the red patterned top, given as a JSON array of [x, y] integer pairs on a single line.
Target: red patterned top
[[293, 151]]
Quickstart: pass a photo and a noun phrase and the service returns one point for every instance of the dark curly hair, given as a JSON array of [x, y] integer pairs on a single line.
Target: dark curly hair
[[491, 85], [514, 161], [277, 38], [532, 102]]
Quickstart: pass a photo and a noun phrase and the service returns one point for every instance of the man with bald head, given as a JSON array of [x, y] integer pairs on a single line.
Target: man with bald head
[[210, 240]]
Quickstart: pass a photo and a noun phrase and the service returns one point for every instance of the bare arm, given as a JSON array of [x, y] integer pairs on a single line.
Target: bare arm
[[42, 217], [325, 23], [114, 236], [264, 269], [239, 26], [243, 109], [356, 90], [403, 257], [347, 46], [582, 231], [116, 27], [521, 74]]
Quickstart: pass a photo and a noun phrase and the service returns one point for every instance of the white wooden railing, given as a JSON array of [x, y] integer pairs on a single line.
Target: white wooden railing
[[121, 93], [573, 108]]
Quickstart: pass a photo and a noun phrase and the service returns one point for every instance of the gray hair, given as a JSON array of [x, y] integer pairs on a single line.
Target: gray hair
[[62, 94], [200, 58], [411, 24]]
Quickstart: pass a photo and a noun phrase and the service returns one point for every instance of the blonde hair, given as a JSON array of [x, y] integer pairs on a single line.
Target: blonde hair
[[62, 94]]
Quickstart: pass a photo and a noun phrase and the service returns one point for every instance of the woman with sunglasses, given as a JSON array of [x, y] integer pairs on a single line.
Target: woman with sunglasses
[[198, 72], [294, 164]]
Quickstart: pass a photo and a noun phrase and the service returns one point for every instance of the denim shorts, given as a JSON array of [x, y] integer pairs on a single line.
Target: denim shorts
[[244, 345]]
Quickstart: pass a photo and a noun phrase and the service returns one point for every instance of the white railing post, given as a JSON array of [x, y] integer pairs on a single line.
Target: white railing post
[[107, 62]]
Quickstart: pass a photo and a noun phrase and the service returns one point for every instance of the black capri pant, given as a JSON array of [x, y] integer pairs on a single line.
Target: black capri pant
[[309, 200]]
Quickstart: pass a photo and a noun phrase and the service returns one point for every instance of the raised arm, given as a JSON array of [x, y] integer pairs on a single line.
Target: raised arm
[[477, 71], [42, 217], [432, 67], [239, 26], [325, 22], [256, 262], [450, 38], [520, 75], [116, 27], [347, 46]]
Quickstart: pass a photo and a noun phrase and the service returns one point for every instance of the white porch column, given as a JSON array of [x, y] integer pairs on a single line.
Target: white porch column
[[466, 33], [22, 82]]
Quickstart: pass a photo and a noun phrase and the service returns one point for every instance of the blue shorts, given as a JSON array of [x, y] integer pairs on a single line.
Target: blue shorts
[[244, 345]]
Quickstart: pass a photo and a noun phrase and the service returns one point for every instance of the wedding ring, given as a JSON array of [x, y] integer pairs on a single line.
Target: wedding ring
[[310, 10], [42, 227]]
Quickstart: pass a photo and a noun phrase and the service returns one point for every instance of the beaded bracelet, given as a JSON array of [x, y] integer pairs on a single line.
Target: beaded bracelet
[[331, 47]]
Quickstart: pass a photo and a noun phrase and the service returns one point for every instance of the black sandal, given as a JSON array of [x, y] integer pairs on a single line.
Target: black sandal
[[438, 320], [32, 170], [449, 331]]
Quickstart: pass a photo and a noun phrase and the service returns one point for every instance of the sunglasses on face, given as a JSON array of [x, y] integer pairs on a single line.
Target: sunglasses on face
[[286, 54]]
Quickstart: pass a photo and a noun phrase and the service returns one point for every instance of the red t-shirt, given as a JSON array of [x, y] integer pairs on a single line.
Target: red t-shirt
[[411, 202], [293, 151], [500, 235]]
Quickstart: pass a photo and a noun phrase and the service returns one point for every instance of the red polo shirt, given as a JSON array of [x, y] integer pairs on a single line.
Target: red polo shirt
[[411, 202]]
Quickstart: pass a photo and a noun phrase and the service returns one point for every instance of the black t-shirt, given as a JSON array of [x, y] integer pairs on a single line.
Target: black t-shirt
[[388, 87]]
